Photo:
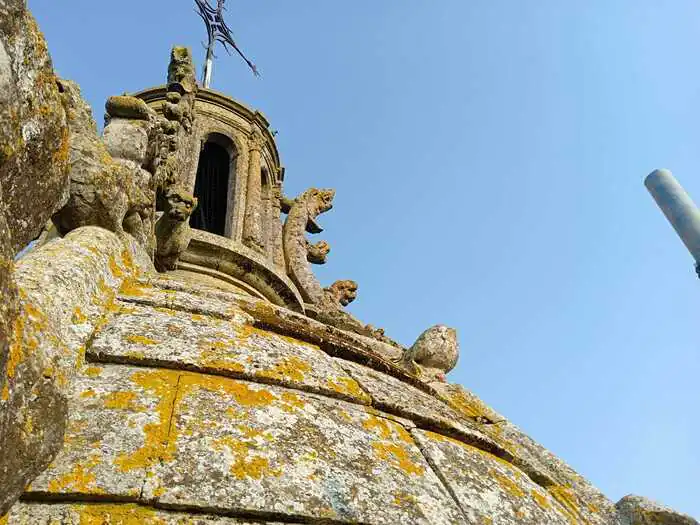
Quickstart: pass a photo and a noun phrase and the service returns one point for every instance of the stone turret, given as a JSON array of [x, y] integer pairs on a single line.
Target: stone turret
[[170, 357]]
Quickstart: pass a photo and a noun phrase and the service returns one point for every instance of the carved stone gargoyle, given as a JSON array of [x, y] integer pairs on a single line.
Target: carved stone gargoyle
[[325, 304]]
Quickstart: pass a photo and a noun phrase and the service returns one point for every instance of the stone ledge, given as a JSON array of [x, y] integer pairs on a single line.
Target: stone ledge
[[232, 258], [178, 340]]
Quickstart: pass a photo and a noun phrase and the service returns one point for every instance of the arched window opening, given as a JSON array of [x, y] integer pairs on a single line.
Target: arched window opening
[[212, 187]]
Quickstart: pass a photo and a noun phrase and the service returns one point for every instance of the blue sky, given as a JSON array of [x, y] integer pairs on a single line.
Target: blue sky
[[489, 158]]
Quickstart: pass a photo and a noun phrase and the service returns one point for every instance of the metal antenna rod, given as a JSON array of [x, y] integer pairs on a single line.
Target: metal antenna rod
[[678, 208], [217, 31]]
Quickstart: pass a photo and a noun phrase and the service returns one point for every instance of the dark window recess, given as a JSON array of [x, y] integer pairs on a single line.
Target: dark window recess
[[211, 189]]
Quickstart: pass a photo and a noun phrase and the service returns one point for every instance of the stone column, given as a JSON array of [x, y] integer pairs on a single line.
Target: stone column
[[276, 228], [253, 234]]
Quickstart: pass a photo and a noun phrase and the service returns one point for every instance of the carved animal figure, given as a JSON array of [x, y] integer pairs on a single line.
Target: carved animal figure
[[317, 253], [434, 353], [302, 217], [104, 192], [173, 233]]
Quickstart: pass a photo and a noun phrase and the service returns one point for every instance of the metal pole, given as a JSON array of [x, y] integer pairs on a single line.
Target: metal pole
[[679, 209], [208, 66]]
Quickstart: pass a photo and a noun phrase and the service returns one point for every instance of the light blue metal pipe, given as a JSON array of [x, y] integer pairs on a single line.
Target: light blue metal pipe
[[678, 207]]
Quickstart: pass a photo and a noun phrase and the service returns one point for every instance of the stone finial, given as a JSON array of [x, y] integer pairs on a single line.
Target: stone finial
[[127, 107], [434, 353], [181, 69], [636, 510]]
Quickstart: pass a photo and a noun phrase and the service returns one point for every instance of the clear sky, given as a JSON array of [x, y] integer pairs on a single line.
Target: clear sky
[[489, 158]]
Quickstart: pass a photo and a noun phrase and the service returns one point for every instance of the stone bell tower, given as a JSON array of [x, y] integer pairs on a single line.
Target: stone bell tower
[[169, 357], [230, 163]]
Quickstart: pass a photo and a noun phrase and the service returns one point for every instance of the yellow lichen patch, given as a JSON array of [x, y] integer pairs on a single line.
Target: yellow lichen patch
[[158, 445], [222, 364], [141, 340], [566, 498], [78, 316], [114, 267], [124, 514], [404, 499], [3, 519], [292, 368], [88, 393], [540, 499], [292, 402], [398, 457], [16, 354], [5, 393], [245, 465], [93, 371], [348, 386], [473, 408], [241, 392], [132, 287], [509, 486], [80, 479], [380, 425], [122, 401]]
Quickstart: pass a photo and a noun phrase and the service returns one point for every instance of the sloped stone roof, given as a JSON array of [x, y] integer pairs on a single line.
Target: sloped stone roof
[[193, 402]]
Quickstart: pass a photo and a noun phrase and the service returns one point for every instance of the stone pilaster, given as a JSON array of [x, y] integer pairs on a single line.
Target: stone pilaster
[[276, 244], [253, 232]]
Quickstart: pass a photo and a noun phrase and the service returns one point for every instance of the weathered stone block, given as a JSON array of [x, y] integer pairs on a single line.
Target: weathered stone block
[[180, 340], [65, 288], [488, 489], [119, 418], [27, 513], [397, 397], [635, 510], [33, 129], [244, 447]]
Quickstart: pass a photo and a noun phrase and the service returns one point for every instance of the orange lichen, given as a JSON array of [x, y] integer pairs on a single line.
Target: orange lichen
[[5, 393], [509, 486], [141, 340], [292, 402], [124, 514], [88, 393], [241, 392], [132, 287], [567, 499], [292, 368], [222, 364], [114, 267], [122, 401], [540, 499], [80, 479], [93, 371], [78, 316], [378, 424], [157, 443], [348, 386], [398, 457], [244, 465]]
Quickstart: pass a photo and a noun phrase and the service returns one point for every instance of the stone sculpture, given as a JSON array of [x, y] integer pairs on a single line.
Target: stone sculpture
[[173, 231], [326, 304], [104, 192], [434, 353], [302, 218]]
